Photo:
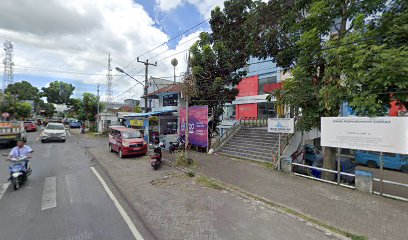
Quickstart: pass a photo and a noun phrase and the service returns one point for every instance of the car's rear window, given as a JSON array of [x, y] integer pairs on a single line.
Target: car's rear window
[[55, 127]]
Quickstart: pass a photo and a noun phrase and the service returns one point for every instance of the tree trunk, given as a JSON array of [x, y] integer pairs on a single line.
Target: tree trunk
[[329, 162]]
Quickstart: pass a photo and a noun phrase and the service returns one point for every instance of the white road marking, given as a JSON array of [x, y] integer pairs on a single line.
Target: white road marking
[[3, 189], [69, 134], [69, 179], [122, 212], [49, 198]]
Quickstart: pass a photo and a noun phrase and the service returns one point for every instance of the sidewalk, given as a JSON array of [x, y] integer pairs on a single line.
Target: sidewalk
[[356, 212], [178, 207]]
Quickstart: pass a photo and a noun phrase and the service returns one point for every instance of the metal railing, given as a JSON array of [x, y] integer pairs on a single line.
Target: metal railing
[[347, 185], [324, 170], [254, 121], [221, 139]]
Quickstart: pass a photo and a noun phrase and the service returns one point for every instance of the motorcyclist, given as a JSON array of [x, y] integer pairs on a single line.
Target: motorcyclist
[[21, 150]]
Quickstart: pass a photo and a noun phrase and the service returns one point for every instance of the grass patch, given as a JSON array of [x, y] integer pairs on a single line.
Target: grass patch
[[206, 182], [191, 174], [182, 161], [269, 165]]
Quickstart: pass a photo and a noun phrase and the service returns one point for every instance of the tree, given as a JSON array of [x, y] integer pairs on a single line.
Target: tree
[[137, 109], [23, 109], [23, 91], [89, 105], [58, 92], [216, 74]]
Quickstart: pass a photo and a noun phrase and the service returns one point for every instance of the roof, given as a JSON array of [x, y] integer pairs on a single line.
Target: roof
[[173, 88], [156, 113]]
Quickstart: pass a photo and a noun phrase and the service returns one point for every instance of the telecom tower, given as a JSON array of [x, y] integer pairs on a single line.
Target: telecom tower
[[8, 64], [109, 90]]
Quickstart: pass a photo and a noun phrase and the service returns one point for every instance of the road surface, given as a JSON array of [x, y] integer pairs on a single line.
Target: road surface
[[62, 200]]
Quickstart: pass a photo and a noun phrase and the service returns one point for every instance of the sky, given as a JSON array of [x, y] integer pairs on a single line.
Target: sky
[[59, 40]]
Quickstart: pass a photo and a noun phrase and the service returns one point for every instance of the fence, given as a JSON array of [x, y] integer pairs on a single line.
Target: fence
[[312, 172]]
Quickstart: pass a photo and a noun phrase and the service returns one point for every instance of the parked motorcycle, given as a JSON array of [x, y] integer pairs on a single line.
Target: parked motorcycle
[[177, 146], [18, 171], [156, 158]]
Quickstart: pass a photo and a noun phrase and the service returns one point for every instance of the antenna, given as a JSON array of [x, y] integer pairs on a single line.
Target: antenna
[[8, 75]]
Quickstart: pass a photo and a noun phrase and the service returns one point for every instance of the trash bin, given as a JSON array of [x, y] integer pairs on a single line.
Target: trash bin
[[286, 164], [364, 181]]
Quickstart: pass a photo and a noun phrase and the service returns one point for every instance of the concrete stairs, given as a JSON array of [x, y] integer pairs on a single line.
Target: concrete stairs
[[252, 143]]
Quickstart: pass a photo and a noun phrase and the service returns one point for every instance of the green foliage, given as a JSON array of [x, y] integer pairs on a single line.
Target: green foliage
[[58, 92], [23, 91], [137, 109], [23, 109], [214, 67], [88, 107]]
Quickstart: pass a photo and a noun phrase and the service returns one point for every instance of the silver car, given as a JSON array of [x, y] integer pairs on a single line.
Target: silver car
[[54, 132]]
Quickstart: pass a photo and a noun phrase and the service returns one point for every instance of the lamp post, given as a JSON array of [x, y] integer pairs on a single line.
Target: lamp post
[[145, 98]]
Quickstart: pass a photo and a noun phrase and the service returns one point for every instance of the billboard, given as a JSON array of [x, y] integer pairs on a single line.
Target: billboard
[[198, 125], [281, 125], [380, 134]]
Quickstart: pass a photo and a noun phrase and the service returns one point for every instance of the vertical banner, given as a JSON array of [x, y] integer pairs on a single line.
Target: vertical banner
[[198, 125]]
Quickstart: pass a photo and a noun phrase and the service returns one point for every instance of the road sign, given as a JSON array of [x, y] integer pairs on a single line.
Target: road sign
[[380, 134], [281, 125], [6, 115]]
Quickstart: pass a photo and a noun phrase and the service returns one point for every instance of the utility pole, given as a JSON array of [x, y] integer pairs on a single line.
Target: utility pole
[[97, 110], [109, 90], [146, 88]]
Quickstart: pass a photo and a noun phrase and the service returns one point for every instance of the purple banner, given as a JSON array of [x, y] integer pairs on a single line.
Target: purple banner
[[198, 125]]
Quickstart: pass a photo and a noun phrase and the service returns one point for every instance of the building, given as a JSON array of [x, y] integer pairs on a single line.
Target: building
[[154, 85]]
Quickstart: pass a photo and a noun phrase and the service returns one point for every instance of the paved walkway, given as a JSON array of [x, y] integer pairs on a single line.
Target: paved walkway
[[177, 207], [363, 214]]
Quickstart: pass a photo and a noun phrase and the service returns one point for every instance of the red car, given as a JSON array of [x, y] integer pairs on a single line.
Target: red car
[[30, 126], [126, 141]]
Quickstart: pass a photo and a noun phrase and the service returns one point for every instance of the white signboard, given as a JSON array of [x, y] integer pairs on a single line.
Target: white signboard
[[281, 125], [381, 134]]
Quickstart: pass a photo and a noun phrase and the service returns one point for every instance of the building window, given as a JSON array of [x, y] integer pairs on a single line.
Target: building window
[[265, 81], [266, 110], [170, 100]]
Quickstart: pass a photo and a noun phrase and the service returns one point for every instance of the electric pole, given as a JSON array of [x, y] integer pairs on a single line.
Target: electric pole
[[97, 110], [146, 88], [146, 84], [109, 90]]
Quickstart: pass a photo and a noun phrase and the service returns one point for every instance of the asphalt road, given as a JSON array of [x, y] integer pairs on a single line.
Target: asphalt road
[[63, 199]]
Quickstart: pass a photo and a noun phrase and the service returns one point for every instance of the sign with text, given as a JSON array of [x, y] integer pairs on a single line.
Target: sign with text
[[380, 134], [198, 125], [281, 125]]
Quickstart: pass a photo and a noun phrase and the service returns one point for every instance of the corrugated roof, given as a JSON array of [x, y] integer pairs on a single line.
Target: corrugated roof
[[174, 88]]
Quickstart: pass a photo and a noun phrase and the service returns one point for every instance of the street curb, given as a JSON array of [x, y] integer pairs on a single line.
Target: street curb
[[121, 193], [270, 204]]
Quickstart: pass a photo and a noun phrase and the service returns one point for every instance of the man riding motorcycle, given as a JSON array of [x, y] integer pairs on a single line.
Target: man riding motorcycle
[[21, 150]]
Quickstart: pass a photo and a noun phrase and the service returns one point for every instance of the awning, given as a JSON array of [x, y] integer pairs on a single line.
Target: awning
[[149, 114]]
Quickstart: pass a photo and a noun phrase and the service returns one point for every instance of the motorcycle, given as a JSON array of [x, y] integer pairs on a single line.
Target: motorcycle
[[179, 145], [18, 171], [156, 158]]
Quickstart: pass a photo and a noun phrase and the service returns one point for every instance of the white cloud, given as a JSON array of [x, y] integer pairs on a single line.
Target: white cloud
[[203, 6], [167, 5]]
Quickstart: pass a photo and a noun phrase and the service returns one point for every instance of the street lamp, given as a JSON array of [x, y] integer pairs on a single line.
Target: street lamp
[[122, 71]]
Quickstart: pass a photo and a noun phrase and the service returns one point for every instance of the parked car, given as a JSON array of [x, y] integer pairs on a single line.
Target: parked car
[[74, 124], [390, 160], [126, 141], [30, 126], [311, 154], [11, 132], [54, 132]]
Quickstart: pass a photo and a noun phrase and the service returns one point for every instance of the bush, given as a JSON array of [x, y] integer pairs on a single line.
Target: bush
[[93, 129]]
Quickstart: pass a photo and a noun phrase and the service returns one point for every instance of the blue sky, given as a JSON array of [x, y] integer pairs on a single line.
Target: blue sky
[[78, 36]]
